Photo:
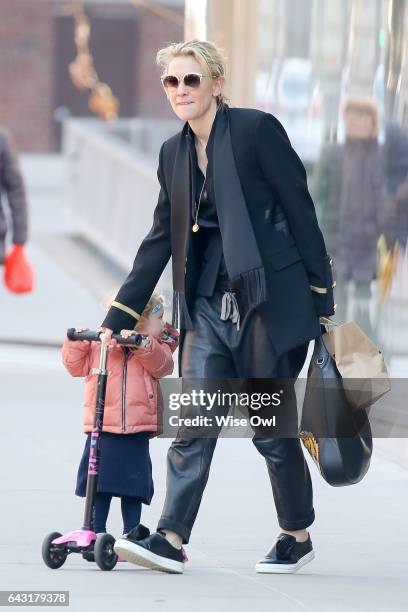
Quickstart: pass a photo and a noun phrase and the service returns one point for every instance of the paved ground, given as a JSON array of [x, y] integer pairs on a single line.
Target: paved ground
[[359, 535], [359, 532]]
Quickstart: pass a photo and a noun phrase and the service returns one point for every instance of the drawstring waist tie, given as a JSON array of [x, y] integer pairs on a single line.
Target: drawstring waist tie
[[229, 304], [229, 308]]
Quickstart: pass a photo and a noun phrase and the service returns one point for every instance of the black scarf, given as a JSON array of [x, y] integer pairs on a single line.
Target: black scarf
[[244, 265]]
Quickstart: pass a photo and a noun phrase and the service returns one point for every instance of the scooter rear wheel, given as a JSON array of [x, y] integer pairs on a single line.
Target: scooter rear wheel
[[105, 556], [53, 558]]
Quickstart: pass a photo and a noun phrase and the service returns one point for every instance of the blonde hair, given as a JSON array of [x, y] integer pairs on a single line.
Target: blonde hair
[[208, 55], [156, 298], [363, 105]]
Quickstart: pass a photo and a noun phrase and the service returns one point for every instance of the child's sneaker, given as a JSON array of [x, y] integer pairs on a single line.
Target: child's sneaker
[[137, 533]]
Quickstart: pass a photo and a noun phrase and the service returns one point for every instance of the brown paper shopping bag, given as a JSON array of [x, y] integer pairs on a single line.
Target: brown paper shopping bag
[[360, 363]]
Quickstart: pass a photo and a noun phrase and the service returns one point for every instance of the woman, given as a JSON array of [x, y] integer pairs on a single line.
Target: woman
[[251, 277]]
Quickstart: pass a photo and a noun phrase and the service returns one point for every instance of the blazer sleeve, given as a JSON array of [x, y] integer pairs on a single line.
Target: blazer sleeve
[[150, 261], [285, 172]]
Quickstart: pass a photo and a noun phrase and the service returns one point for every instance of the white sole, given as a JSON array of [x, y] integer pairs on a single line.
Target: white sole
[[270, 568], [140, 556]]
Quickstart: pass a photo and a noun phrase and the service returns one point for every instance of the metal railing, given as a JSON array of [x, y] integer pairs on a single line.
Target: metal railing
[[111, 184]]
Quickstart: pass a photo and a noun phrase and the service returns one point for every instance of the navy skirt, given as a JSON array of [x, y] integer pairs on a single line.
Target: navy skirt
[[125, 466]]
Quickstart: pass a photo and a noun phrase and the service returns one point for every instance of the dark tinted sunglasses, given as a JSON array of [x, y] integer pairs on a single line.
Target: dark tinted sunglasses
[[191, 79]]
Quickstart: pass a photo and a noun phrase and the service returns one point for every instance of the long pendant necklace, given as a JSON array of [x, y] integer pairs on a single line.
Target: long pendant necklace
[[196, 226]]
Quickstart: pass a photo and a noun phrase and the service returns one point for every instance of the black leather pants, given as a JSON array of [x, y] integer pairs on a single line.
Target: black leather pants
[[216, 349]]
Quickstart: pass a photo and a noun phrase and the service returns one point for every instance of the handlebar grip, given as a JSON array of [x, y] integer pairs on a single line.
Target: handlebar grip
[[134, 340], [87, 334], [94, 336]]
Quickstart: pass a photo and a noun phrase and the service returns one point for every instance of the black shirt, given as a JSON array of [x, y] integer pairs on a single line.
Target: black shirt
[[207, 212], [207, 242]]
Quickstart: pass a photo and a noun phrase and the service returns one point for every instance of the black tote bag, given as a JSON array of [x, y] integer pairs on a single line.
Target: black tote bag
[[338, 438]]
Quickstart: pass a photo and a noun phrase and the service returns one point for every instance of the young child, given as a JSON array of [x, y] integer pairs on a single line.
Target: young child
[[130, 417]]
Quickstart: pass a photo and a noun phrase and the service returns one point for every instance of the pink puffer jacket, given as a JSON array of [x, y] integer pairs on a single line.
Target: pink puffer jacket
[[132, 388]]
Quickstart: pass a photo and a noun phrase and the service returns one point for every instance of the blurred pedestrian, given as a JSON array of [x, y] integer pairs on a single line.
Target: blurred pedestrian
[[349, 187], [396, 181], [11, 184]]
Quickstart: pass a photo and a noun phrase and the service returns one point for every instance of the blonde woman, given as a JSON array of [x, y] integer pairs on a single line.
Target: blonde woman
[[251, 276]]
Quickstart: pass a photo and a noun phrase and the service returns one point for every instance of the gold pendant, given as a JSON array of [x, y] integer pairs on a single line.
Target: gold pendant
[[196, 227]]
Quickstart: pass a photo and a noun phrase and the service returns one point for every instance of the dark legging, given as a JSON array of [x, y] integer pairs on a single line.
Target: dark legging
[[131, 511]]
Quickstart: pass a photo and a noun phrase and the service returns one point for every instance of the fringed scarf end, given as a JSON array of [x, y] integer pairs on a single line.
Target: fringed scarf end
[[251, 289]]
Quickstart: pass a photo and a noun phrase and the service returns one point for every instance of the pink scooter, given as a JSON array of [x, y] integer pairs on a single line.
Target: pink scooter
[[99, 548]]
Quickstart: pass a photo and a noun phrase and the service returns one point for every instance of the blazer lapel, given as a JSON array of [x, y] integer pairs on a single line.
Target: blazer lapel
[[232, 209], [180, 214]]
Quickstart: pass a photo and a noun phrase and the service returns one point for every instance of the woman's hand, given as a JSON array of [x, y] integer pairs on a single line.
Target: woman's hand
[[110, 342]]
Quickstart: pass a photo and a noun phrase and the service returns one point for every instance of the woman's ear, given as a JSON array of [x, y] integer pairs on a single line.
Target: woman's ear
[[218, 85]]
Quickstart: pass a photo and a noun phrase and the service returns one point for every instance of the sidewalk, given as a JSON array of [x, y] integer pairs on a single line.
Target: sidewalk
[[58, 301], [358, 535], [359, 532]]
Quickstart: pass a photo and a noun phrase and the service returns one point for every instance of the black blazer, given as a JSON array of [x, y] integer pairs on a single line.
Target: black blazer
[[273, 179]]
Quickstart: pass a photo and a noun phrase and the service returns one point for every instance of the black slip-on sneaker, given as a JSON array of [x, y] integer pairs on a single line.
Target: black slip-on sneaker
[[286, 555], [154, 552]]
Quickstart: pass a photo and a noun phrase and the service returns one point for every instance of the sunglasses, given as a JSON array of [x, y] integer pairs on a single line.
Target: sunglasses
[[191, 79]]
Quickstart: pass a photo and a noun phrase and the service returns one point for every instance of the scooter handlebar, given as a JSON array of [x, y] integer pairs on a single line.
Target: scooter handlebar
[[95, 336]]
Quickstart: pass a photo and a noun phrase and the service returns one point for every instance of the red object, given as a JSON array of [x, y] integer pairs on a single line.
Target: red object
[[18, 273]]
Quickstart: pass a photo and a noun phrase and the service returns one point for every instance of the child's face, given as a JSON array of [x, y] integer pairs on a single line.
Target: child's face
[[154, 324]]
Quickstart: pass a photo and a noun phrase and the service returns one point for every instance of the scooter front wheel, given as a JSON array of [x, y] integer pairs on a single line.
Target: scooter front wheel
[[53, 556], [105, 556]]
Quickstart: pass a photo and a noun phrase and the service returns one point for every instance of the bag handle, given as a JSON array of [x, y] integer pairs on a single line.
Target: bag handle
[[328, 324]]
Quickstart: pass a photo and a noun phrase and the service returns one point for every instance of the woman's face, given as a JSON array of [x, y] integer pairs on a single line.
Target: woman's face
[[187, 102]]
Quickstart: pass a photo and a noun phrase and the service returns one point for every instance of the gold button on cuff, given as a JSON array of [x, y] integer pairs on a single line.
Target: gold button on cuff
[[126, 309]]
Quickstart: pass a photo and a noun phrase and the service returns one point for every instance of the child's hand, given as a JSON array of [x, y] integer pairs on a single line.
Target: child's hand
[[80, 329], [125, 333]]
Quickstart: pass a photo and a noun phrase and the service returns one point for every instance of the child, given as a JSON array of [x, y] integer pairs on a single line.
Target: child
[[130, 417]]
